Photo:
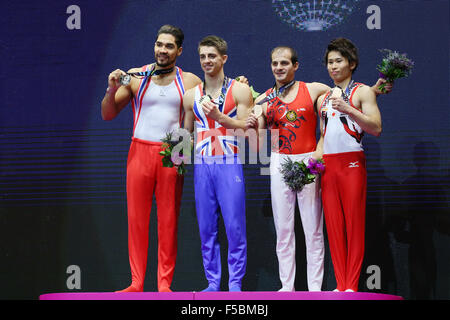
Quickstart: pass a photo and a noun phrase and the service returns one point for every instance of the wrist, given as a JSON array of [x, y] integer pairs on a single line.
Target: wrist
[[221, 119], [110, 91]]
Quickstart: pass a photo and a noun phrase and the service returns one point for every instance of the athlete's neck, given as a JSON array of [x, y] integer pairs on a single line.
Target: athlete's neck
[[214, 83], [280, 84], [162, 75], [343, 84]]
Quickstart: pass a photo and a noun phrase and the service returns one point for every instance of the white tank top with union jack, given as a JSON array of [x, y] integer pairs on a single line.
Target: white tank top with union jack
[[212, 137]]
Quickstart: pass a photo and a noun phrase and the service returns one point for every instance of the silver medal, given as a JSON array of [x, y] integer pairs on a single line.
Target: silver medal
[[125, 79], [204, 98]]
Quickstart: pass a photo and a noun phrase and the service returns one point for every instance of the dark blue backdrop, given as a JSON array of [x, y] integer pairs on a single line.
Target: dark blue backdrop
[[62, 169]]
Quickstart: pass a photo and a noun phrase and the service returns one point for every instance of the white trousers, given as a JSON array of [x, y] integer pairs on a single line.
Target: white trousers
[[283, 207]]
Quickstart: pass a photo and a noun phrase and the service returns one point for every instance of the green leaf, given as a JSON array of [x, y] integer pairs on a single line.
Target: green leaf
[[167, 162], [181, 170], [254, 93]]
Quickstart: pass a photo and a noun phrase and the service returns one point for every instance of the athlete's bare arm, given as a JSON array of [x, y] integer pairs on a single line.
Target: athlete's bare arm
[[368, 116], [256, 126], [316, 89], [188, 106], [318, 153], [190, 80], [244, 102], [117, 96]]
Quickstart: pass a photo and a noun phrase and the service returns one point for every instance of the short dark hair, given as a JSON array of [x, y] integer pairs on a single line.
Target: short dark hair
[[216, 42], [175, 31], [294, 55], [346, 48]]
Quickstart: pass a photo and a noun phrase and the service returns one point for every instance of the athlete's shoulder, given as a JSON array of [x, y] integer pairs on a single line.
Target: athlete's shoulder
[[190, 80], [317, 89], [188, 98], [135, 69], [190, 92], [240, 85], [362, 89], [317, 86]]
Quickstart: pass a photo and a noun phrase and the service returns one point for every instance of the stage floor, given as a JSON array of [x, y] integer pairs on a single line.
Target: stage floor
[[245, 295]]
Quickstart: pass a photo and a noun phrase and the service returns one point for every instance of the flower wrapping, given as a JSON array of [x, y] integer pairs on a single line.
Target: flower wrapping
[[298, 174], [394, 66], [169, 157]]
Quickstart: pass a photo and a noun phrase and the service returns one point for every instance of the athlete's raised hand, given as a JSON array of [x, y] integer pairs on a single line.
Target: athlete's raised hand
[[387, 87], [113, 79], [211, 111], [340, 105]]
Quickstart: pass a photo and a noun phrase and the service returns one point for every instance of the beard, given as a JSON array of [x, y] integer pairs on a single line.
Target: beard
[[164, 64]]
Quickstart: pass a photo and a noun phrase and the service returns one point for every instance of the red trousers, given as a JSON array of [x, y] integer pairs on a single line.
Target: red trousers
[[145, 176], [344, 186]]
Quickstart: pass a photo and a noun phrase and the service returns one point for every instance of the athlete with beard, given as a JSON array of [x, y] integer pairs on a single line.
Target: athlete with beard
[[158, 109]]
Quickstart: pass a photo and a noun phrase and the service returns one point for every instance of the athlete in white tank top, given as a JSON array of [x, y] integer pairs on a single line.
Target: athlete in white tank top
[[159, 112]]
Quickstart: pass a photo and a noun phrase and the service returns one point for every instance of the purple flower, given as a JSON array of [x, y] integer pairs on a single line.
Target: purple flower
[[320, 167], [315, 167]]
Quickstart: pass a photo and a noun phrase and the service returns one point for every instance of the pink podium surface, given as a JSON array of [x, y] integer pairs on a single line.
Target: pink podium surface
[[245, 295]]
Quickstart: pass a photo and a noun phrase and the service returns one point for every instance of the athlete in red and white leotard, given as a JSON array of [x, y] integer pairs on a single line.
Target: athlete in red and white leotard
[[157, 109], [347, 111]]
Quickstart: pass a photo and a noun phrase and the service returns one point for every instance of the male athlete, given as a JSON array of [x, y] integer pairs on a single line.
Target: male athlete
[[290, 108], [347, 112], [156, 94], [218, 104]]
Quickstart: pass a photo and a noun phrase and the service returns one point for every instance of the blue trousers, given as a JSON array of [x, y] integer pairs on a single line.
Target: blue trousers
[[219, 187]]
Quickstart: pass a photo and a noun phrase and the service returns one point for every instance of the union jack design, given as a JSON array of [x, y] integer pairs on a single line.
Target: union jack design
[[212, 138]]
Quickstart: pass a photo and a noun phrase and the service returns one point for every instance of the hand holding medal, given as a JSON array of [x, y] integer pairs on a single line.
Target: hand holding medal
[[125, 78], [114, 79], [339, 98], [209, 107]]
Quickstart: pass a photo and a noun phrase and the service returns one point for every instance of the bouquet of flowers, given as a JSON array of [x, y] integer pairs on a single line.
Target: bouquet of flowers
[[171, 159], [394, 66], [298, 174]]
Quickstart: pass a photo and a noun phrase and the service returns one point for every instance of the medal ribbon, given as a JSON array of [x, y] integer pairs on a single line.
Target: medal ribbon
[[276, 93], [149, 73], [222, 94], [346, 92]]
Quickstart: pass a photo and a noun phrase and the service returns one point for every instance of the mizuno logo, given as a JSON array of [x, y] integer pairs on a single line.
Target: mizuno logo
[[353, 164]]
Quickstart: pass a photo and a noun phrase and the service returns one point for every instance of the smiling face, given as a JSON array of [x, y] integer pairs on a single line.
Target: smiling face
[[282, 67], [339, 67], [166, 50], [211, 60]]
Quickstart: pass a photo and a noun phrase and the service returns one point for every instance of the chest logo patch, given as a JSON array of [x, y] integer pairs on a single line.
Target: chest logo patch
[[291, 116]]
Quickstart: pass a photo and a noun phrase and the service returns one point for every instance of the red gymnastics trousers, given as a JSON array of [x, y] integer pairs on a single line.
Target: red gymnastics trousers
[[145, 176], [344, 186]]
